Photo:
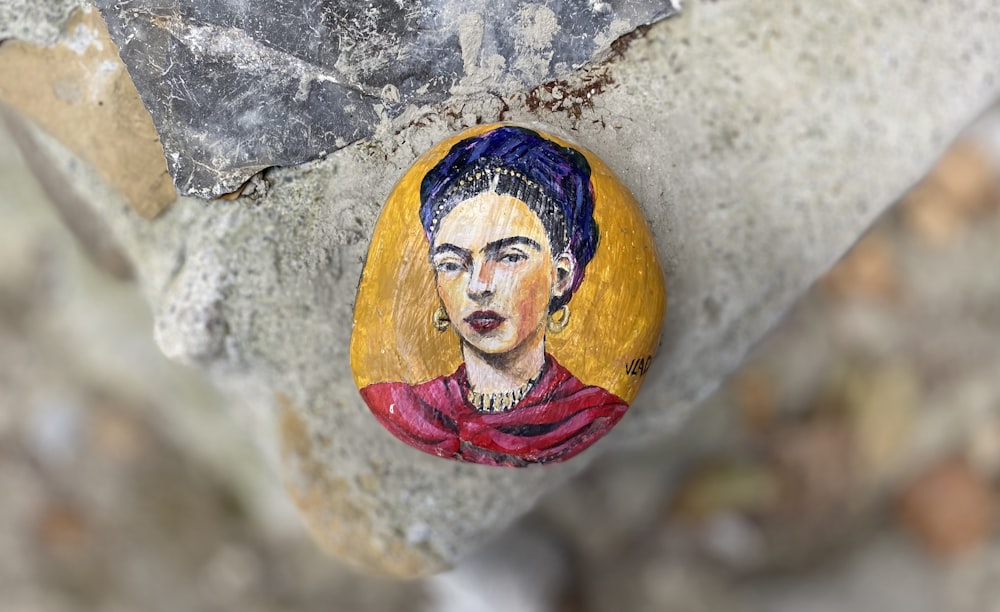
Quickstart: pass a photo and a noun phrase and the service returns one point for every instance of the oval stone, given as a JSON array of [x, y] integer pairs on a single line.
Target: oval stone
[[511, 301]]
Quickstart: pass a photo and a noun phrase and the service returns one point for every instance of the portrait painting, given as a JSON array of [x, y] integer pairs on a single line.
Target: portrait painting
[[511, 301]]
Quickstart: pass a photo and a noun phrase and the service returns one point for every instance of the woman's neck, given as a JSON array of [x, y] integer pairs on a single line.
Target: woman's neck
[[488, 373]]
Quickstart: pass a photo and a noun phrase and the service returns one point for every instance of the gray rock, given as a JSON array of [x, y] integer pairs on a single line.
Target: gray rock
[[235, 87], [36, 21], [760, 142]]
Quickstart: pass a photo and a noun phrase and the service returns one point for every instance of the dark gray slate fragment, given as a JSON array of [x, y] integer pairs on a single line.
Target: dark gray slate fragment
[[236, 86]]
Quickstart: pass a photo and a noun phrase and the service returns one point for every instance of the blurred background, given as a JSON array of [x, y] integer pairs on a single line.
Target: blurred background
[[852, 463]]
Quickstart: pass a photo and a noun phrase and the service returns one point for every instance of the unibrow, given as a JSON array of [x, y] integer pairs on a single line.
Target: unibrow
[[498, 245]]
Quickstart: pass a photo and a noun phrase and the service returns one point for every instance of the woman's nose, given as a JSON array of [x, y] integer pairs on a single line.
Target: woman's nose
[[480, 280]]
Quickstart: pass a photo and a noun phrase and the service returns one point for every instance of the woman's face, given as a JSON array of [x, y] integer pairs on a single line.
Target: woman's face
[[495, 272]]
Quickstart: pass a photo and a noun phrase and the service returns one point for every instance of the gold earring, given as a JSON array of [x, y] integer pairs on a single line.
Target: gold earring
[[557, 324], [440, 319]]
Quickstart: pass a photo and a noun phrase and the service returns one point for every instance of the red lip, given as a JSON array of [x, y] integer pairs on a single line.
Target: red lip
[[484, 321]]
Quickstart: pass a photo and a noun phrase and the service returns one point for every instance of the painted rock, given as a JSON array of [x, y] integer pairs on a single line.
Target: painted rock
[[511, 301]]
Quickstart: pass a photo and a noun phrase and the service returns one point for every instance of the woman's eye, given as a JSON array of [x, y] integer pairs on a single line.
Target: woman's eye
[[448, 266], [512, 257]]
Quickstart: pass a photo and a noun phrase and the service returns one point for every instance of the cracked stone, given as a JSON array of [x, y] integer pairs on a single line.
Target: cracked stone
[[236, 87]]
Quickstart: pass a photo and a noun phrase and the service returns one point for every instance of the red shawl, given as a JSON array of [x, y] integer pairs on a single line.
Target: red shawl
[[557, 419]]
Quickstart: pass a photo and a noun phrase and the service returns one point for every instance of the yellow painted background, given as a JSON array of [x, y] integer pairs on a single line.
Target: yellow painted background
[[616, 313]]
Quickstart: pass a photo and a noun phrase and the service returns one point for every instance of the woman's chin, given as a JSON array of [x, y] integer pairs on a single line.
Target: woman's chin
[[489, 345], [490, 348]]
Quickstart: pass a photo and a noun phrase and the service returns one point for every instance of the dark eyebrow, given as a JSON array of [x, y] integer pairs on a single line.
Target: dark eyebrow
[[450, 248], [498, 245]]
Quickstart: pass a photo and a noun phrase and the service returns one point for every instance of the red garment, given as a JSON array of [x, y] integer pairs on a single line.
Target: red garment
[[557, 419]]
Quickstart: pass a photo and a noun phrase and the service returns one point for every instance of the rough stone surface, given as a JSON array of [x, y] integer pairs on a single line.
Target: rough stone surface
[[78, 90], [100, 479], [761, 142], [35, 21], [235, 87], [125, 487]]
